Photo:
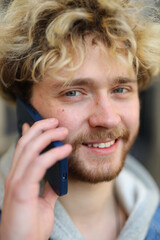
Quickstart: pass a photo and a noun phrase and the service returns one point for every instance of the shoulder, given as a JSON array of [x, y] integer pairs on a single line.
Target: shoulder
[[134, 167], [154, 228]]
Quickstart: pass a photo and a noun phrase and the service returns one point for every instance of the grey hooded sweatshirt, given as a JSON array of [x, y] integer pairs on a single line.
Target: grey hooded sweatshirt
[[135, 188]]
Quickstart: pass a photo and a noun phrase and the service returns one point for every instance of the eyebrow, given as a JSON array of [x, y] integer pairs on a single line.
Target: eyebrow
[[75, 82], [82, 82], [91, 82], [123, 80]]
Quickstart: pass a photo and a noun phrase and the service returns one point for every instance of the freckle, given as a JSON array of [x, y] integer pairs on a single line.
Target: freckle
[[59, 111]]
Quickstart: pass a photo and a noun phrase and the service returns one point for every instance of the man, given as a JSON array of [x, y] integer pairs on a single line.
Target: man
[[81, 64]]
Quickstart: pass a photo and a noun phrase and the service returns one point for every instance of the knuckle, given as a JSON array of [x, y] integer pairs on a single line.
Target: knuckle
[[40, 162], [31, 150], [12, 185], [21, 143], [15, 189], [37, 124], [7, 180]]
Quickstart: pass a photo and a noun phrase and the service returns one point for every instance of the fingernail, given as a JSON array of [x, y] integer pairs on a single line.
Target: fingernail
[[53, 120], [63, 129], [25, 127]]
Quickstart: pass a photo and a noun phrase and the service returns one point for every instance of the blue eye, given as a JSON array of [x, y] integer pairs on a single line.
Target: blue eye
[[120, 90], [72, 93]]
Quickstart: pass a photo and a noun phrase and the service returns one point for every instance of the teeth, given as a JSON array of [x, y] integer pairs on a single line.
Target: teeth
[[102, 145]]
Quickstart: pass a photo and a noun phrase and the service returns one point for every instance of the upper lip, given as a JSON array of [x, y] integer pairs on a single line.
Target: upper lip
[[99, 141]]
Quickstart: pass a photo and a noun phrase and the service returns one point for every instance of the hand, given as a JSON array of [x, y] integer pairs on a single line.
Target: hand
[[25, 215]]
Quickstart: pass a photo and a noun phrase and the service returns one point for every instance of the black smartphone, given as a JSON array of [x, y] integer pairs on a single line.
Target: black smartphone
[[57, 175]]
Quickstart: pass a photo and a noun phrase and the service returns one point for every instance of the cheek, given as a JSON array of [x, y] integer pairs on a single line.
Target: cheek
[[68, 119], [60, 111], [131, 116]]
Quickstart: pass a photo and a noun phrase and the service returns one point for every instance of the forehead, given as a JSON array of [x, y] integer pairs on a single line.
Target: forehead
[[100, 54], [99, 63]]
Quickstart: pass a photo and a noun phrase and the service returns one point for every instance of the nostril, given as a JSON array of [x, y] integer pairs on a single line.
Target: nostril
[[107, 120]]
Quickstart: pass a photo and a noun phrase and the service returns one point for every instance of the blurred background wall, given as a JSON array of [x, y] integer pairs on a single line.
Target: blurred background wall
[[147, 146], [7, 125]]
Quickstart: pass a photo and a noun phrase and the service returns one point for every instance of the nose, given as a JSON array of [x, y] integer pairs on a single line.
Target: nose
[[104, 114]]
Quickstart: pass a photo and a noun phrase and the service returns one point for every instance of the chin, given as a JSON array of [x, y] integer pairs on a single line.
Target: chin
[[95, 171], [93, 167]]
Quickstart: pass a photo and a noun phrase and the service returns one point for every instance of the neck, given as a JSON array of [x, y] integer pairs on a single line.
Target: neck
[[92, 206], [83, 198]]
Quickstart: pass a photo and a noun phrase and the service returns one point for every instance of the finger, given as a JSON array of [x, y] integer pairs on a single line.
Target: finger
[[25, 128], [37, 169], [28, 184], [35, 147], [36, 129], [30, 134]]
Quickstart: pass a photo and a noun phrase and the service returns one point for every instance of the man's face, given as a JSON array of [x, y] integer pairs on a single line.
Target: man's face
[[100, 108]]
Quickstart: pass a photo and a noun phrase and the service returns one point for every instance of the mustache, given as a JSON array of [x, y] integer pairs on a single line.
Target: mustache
[[100, 135]]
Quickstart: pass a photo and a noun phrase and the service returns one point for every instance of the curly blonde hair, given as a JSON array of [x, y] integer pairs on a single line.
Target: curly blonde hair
[[39, 35]]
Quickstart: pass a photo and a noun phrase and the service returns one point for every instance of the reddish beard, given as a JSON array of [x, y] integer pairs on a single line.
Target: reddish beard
[[77, 170]]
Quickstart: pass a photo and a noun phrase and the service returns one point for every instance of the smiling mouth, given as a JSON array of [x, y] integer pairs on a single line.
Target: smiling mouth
[[101, 144]]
